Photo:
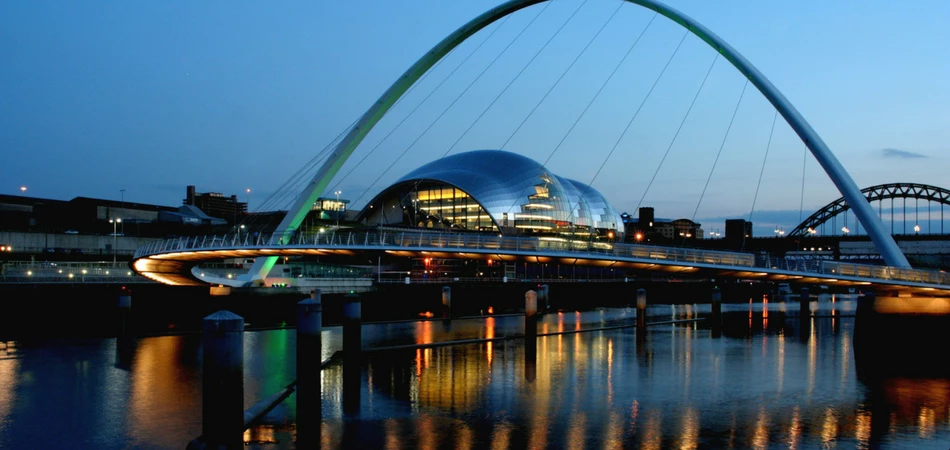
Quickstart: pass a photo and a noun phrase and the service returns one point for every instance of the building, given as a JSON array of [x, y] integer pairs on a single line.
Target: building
[[494, 191], [738, 232], [329, 209], [648, 228], [216, 204]]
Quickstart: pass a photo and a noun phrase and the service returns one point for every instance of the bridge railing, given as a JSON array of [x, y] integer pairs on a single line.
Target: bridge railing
[[838, 268], [454, 242]]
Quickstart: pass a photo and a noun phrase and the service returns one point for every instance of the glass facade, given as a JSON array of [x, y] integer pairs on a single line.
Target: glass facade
[[497, 191]]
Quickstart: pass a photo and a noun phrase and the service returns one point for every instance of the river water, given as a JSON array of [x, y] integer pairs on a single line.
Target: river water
[[769, 381]]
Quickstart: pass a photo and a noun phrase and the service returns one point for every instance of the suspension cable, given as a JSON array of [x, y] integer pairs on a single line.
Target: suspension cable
[[444, 80], [510, 83], [708, 71], [591, 102], [719, 153], [762, 170], [801, 204], [568, 69], [447, 108], [551, 89]]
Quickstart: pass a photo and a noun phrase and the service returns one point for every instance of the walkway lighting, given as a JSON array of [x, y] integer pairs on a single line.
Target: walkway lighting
[[114, 223]]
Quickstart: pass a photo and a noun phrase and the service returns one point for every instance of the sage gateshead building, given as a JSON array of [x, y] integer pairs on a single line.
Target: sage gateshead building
[[494, 191]]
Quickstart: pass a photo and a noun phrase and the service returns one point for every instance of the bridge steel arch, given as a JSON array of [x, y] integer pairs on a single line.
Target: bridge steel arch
[[842, 180], [873, 193]]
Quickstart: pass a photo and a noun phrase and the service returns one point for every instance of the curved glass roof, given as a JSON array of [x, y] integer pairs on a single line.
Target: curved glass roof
[[510, 185]]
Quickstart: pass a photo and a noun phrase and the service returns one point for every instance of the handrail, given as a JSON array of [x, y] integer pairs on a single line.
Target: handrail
[[368, 240]]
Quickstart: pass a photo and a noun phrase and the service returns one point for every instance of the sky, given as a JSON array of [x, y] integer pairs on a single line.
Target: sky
[[137, 100]]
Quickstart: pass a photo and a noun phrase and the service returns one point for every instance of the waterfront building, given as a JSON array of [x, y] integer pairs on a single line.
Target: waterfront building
[[498, 192], [216, 204]]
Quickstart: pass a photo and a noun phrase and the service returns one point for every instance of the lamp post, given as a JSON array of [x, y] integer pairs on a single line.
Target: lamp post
[[114, 223], [338, 208]]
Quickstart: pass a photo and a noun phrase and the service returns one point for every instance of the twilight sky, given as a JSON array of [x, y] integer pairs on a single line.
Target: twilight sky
[[149, 97]]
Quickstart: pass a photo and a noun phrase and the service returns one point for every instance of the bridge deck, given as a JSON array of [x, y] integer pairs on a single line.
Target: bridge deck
[[170, 261]]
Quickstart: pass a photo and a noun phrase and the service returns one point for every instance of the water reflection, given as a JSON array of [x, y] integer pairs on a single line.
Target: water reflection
[[773, 380]]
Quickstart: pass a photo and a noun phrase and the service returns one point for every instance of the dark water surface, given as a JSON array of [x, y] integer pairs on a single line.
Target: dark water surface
[[770, 381]]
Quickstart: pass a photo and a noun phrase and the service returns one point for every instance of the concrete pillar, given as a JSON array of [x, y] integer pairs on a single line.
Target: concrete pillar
[[804, 302], [222, 384], [641, 308], [530, 334], [352, 352], [446, 302], [309, 358], [125, 312], [716, 300]]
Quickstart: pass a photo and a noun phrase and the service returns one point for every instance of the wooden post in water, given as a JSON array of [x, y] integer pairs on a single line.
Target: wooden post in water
[[641, 309], [446, 302], [309, 357], [530, 335], [352, 352], [222, 383]]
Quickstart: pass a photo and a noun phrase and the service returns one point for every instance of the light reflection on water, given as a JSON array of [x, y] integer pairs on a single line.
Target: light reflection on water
[[770, 381]]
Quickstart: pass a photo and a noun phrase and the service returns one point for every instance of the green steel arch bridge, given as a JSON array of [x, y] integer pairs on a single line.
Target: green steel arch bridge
[[173, 261]]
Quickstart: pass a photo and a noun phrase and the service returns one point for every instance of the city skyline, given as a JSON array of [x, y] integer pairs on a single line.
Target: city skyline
[[139, 101]]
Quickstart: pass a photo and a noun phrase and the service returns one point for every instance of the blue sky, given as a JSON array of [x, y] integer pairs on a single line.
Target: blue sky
[[149, 97]]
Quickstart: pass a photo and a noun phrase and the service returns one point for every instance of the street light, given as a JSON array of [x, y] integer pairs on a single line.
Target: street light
[[338, 208], [845, 230], [248, 199], [114, 223], [916, 229], [22, 189]]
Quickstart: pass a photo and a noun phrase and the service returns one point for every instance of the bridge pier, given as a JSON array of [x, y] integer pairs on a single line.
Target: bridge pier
[[716, 300], [309, 358], [545, 300], [804, 302], [222, 381], [352, 352], [125, 312], [446, 302], [641, 310], [530, 335]]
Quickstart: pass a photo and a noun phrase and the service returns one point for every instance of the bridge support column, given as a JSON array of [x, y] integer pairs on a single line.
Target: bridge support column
[[125, 312], [545, 298], [446, 302], [716, 300], [530, 335], [309, 357], [804, 302], [222, 381], [641, 309], [352, 352]]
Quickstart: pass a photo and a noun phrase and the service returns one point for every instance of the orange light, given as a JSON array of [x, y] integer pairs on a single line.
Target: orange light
[[491, 310]]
